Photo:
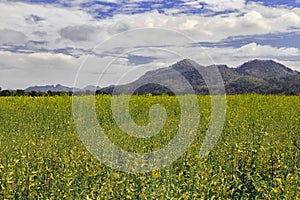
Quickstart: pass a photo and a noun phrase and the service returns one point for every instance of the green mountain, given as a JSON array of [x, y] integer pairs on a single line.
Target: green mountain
[[264, 69], [257, 76]]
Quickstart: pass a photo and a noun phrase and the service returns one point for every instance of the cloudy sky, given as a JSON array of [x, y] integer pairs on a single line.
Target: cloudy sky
[[81, 42]]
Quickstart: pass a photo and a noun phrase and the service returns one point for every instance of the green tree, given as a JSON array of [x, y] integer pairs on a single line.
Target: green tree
[[6, 93], [20, 92]]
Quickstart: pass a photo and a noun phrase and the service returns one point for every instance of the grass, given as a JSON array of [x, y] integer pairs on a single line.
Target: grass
[[256, 157]]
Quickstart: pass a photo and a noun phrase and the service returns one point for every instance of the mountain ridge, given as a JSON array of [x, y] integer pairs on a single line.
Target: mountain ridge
[[53, 88], [264, 69], [256, 76]]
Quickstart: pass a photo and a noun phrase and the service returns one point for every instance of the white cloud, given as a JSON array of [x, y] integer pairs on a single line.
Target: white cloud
[[255, 50], [236, 56], [218, 5], [66, 26], [49, 57], [79, 33], [22, 70], [12, 37], [188, 25], [195, 4], [54, 19]]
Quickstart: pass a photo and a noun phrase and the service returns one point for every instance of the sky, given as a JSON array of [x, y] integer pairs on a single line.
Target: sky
[[80, 42]]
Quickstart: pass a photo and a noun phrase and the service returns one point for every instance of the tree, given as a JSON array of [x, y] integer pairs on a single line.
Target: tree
[[20, 92], [50, 93], [6, 93], [33, 93]]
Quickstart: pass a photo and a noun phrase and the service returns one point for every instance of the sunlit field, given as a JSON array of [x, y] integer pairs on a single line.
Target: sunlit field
[[257, 155]]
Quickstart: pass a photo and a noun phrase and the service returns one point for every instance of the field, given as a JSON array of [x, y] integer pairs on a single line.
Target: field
[[256, 157]]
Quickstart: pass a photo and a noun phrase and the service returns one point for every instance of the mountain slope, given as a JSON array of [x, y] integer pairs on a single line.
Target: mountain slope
[[257, 76], [264, 69], [177, 77]]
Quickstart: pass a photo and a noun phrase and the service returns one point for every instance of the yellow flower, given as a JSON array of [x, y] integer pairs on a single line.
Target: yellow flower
[[230, 123], [275, 190], [243, 127], [179, 178], [155, 174]]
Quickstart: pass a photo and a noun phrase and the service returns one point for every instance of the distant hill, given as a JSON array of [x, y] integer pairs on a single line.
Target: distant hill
[[264, 69], [257, 76], [61, 88], [91, 88], [46, 88]]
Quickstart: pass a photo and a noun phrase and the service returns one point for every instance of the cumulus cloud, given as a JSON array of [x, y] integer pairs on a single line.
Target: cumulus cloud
[[218, 5], [118, 27], [81, 29], [236, 56], [45, 20], [79, 33], [18, 70], [33, 19], [50, 57], [39, 33], [8, 36], [255, 50]]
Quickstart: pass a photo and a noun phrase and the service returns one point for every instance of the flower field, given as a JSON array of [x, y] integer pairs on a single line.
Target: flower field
[[257, 155]]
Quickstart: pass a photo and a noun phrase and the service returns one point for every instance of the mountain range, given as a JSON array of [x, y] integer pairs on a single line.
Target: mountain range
[[53, 88], [61, 88], [256, 76]]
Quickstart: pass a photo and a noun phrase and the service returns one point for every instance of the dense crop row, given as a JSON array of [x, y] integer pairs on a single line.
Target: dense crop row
[[257, 155]]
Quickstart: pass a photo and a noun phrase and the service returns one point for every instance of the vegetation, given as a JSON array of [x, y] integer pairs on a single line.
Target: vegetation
[[257, 155], [7, 93]]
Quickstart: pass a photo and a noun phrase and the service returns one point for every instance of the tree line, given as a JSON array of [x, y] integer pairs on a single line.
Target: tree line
[[19, 92], [243, 90]]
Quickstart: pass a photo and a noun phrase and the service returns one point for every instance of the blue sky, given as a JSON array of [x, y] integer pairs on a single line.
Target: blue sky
[[47, 41], [117, 7]]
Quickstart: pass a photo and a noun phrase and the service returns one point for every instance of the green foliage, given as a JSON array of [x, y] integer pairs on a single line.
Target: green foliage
[[256, 157], [7, 93]]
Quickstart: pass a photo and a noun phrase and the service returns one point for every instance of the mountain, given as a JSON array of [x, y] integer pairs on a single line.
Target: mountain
[[91, 88], [256, 76], [61, 88], [228, 74], [46, 88], [264, 69], [154, 81]]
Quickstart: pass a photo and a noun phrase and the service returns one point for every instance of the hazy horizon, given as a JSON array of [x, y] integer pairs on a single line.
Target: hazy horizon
[[91, 85]]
